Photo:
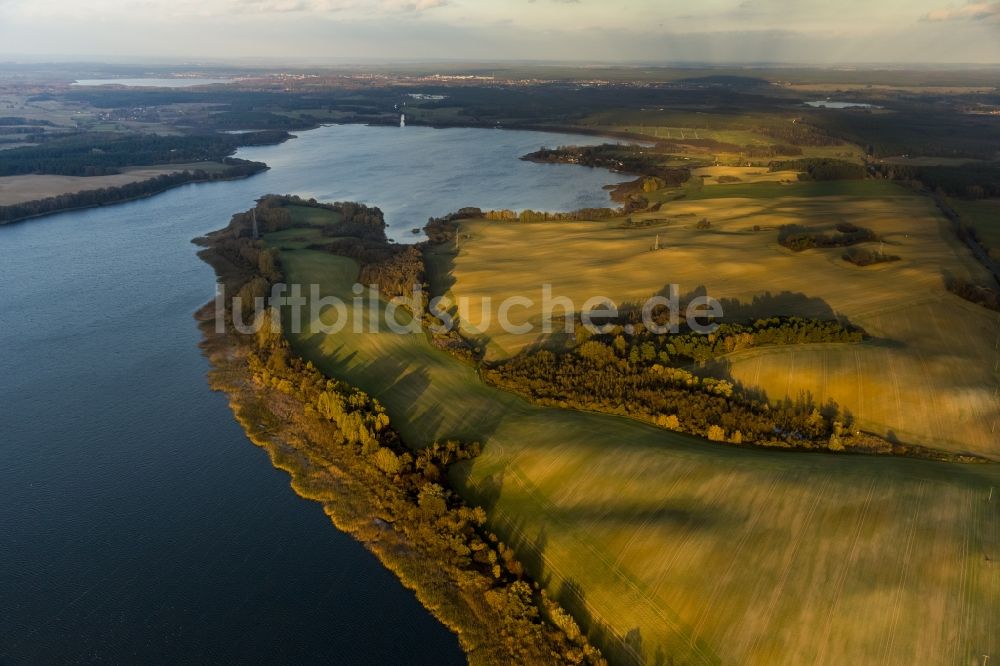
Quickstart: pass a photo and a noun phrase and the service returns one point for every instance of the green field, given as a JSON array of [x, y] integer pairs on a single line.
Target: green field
[[689, 551], [927, 377]]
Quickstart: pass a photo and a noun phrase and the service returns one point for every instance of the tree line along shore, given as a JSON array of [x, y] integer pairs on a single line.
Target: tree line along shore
[[340, 448], [95, 155], [342, 428]]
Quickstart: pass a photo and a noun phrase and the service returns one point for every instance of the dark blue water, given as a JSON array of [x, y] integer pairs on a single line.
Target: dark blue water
[[137, 522]]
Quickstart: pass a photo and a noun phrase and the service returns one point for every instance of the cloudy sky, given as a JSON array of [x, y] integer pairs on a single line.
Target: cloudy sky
[[802, 31]]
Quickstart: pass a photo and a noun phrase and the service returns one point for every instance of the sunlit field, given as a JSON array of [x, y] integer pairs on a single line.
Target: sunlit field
[[556, 332], [922, 377], [675, 548]]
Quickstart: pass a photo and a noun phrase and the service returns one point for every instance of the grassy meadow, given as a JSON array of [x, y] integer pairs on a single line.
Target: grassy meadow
[[674, 549]]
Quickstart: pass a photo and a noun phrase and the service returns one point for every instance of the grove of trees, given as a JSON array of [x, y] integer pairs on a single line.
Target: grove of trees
[[821, 168], [103, 153], [798, 238], [236, 168]]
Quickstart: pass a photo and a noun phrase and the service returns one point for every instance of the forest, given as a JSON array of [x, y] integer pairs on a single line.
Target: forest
[[623, 158], [915, 127], [15, 121], [817, 168], [595, 377], [798, 238], [235, 168], [798, 134], [104, 153], [975, 293], [864, 257], [642, 347], [973, 181], [641, 375], [440, 230]]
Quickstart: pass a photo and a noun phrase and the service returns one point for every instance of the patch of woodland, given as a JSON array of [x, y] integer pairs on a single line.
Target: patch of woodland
[[865, 257], [235, 168], [821, 168], [798, 238], [974, 293]]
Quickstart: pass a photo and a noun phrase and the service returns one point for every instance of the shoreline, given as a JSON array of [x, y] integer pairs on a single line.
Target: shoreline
[[276, 423], [328, 485], [528, 128], [485, 612], [138, 197], [236, 169], [549, 129], [608, 640]]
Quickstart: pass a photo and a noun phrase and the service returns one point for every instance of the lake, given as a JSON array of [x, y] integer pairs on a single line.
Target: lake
[[139, 525], [827, 104]]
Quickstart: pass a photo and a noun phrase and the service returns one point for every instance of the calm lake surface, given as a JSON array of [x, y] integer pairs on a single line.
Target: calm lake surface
[[138, 524], [827, 104]]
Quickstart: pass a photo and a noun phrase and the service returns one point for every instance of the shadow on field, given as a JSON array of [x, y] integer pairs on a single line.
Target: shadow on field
[[662, 514], [440, 267], [761, 306], [628, 649], [401, 384], [784, 303], [803, 403], [768, 304]]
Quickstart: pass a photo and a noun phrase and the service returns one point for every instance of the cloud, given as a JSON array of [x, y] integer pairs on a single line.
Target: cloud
[[414, 6], [971, 11], [326, 6], [154, 10], [743, 31]]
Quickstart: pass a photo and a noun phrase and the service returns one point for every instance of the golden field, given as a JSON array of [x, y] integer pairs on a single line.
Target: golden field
[[711, 174], [18, 189], [928, 376], [675, 550]]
